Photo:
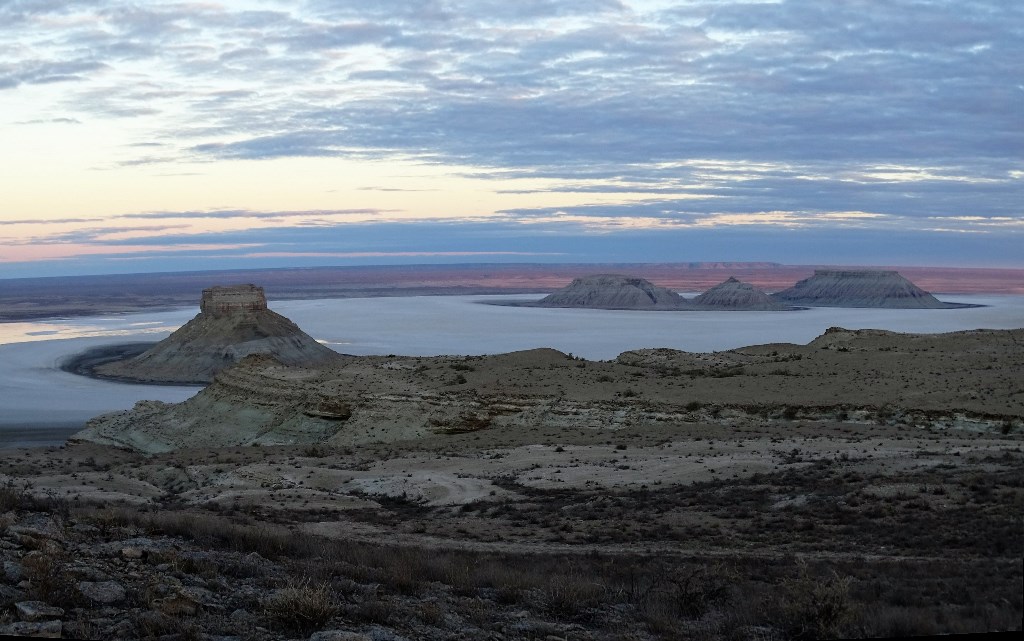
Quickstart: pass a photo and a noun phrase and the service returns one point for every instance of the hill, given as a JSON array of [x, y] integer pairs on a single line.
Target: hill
[[233, 322], [860, 288], [736, 295], [613, 291]]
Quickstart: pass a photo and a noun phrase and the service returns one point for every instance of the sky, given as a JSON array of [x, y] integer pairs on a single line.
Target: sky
[[158, 136]]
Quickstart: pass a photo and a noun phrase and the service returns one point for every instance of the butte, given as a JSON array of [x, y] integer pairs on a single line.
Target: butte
[[860, 288], [233, 322]]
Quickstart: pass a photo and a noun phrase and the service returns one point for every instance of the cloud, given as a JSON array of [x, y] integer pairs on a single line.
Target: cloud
[[545, 85], [52, 121], [406, 254], [710, 214], [395, 189], [224, 214], [49, 221], [696, 113], [99, 235], [508, 241], [37, 72]]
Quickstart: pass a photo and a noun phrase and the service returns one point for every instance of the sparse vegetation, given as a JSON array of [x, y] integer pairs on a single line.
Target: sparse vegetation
[[302, 607], [813, 607], [332, 581], [522, 510]]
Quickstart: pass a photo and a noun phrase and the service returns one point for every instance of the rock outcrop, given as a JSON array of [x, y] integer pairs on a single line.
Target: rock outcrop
[[377, 399], [233, 323], [739, 296], [612, 291], [860, 288]]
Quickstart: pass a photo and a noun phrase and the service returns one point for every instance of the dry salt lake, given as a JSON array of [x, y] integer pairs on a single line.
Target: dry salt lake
[[41, 405]]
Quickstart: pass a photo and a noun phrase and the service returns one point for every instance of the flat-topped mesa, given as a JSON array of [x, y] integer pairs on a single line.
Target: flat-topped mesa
[[613, 291], [232, 299], [233, 323], [860, 288]]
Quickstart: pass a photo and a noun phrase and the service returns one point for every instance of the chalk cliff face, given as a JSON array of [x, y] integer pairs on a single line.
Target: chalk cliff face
[[612, 291], [233, 322], [736, 295], [860, 288]]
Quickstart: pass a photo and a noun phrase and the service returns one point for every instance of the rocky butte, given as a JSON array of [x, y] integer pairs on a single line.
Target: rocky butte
[[734, 294], [860, 288], [613, 291], [233, 322]]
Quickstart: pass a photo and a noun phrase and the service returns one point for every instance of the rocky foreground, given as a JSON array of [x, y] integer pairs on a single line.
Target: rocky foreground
[[867, 484]]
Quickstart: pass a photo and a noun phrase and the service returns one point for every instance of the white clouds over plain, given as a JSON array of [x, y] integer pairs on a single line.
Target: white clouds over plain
[[658, 114]]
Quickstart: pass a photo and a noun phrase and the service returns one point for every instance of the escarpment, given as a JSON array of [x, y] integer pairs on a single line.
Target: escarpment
[[843, 375]]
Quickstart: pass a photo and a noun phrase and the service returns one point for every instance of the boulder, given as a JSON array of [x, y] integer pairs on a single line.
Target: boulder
[[105, 592], [338, 635], [13, 571], [177, 604], [37, 611], [39, 630], [38, 526]]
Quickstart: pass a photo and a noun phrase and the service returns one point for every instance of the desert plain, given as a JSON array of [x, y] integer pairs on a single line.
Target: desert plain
[[862, 483]]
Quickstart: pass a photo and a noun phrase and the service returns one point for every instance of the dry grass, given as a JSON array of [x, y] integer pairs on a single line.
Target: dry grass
[[672, 596], [302, 607], [47, 580], [815, 607]]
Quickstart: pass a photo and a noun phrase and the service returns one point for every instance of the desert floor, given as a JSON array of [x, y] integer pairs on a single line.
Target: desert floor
[[809, 517], [815, 528]]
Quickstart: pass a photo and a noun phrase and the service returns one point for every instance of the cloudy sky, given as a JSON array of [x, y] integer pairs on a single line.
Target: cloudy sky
[[148, 136]]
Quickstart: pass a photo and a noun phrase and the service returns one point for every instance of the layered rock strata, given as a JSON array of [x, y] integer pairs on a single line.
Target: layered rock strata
[[847, 375], [233, 323], [860, 288]]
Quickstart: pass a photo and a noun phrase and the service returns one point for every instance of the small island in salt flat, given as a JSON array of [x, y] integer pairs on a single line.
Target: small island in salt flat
[[860, 288], [734, 294], [233, 322], [613, 291], [870, 288]]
